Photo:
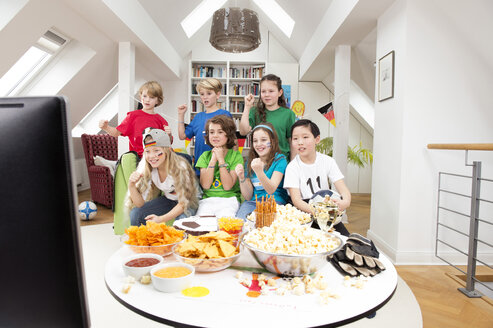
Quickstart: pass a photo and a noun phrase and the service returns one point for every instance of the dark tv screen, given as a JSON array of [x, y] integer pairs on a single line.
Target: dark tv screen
[[41, 267]]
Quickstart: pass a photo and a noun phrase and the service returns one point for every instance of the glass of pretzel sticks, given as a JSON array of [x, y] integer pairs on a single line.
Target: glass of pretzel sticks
[[265, 211]]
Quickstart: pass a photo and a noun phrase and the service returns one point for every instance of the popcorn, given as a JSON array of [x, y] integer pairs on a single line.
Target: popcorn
[[126, 288], [271, 282], [326, 296], [358, 282], [291, 238], [281, 291], [145, 280], [129, 280], [239, 275], [299, 290]]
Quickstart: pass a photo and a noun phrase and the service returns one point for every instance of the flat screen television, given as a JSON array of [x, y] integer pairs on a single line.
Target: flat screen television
[[41, 266]]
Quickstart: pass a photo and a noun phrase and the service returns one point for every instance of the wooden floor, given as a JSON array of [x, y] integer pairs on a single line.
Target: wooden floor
[[435, 287], [104, 214]]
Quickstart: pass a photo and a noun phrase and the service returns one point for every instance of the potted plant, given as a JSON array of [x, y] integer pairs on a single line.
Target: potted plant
[[356, 155]]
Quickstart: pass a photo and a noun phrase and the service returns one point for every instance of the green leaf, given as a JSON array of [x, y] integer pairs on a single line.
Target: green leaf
[[356, 155]]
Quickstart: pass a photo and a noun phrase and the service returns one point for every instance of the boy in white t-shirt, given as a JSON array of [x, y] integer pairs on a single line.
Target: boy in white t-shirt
[[309, 172]]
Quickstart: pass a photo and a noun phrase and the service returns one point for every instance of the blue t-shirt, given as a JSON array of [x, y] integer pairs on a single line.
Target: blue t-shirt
[[279, 164], [197, 128]]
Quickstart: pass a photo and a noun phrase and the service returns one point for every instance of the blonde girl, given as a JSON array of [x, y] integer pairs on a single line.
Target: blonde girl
[[209, 90], [217, 175], [161, 172], [265, 170], [271, 107]]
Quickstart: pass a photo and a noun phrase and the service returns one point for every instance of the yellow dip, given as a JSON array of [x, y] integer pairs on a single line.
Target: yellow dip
[[172, 272]]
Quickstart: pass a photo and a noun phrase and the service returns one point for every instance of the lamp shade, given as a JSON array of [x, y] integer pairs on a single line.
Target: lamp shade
[[235, 30]]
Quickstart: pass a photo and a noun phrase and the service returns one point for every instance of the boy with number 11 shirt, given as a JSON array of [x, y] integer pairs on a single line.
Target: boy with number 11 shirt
[[309, 172]]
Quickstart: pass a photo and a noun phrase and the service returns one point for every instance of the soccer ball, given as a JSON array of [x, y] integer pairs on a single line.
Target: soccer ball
[[87, 210]]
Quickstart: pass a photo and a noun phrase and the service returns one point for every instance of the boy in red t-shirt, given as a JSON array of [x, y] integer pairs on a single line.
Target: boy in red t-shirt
[[151, 96]]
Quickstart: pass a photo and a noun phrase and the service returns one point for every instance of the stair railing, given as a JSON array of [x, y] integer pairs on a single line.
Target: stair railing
[[474, 219]]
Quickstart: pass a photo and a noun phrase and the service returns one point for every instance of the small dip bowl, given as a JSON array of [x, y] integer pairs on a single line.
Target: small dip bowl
[[170, 285], [139, 265]]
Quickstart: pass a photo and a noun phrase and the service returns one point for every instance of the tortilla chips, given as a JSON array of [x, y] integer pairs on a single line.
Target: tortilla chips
[[213, 251], [213, 245], [153, 237]]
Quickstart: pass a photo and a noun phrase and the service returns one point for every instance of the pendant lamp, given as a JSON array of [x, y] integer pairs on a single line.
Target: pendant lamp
[[235, 30]]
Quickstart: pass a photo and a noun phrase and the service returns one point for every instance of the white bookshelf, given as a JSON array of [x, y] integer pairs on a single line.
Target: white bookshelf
[[239, 78]]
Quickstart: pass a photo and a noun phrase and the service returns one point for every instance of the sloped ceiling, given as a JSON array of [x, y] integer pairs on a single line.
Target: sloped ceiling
[[167, 15]]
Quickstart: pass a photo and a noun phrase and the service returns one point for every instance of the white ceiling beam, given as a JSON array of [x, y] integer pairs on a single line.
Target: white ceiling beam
[[138, 20], [335, 15]]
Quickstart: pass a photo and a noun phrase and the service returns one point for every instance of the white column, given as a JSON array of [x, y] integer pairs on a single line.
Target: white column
[[126, 82], [342, 85]]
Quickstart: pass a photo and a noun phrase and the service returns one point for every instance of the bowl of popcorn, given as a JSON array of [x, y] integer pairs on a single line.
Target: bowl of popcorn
[[286, 213], [291, 249], [214, 251], [155, 238]]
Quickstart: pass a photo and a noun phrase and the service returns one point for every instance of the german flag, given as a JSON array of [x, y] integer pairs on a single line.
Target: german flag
[[328, 112]]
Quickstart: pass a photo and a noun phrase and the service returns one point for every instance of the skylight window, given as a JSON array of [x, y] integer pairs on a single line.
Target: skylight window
[[194, 21], [30, 63], [275, 12]]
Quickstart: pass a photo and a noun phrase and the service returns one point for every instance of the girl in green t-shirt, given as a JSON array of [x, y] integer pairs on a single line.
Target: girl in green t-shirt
[[217, 175], [271, 107]]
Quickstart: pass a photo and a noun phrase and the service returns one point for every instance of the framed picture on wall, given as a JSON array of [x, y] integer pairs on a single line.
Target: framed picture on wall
[[386, 76]]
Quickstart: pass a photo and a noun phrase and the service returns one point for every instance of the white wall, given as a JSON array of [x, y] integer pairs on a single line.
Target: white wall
[[441, 96], [314, 95]]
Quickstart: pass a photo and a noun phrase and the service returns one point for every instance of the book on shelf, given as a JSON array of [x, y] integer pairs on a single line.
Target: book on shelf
[[208, 71], [243, 89], [197, 106], [248, 72], [236, 106]]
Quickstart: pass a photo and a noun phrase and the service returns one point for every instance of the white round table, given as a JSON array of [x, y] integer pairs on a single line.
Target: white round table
[[228, 305]]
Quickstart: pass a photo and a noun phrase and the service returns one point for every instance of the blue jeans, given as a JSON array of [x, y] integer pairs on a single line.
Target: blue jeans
[[157, 206], [248, 207]]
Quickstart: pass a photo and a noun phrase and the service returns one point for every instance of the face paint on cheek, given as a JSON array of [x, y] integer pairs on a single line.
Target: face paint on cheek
[[160, 154], [268, 145]]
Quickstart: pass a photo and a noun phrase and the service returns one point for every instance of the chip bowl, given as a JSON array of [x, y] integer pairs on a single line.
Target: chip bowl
[[163, 250], [208, 265], [292, 265]]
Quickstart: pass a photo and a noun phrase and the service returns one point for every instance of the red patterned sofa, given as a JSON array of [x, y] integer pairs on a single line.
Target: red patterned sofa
[[100, 177]]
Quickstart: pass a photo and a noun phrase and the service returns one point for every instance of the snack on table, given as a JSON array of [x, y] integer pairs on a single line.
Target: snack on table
[[265, 211], [287, 213], [291, 239], [210, 252], [196, 225], [153, 237], [231, 225]]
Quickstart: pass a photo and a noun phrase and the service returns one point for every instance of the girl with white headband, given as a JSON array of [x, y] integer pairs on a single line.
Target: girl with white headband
[[265, 170]]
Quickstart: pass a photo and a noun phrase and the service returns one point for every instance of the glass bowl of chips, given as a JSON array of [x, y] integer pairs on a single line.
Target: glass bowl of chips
[[156, 238], [211, 252]]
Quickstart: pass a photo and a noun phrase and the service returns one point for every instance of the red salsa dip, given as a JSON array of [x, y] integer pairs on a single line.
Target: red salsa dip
[[142, 262]]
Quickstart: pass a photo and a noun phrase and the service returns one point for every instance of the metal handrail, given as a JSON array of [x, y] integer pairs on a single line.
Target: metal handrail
[[473, 216]]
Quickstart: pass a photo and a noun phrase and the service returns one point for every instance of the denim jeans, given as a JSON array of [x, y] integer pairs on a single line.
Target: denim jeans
[[157, 206]]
